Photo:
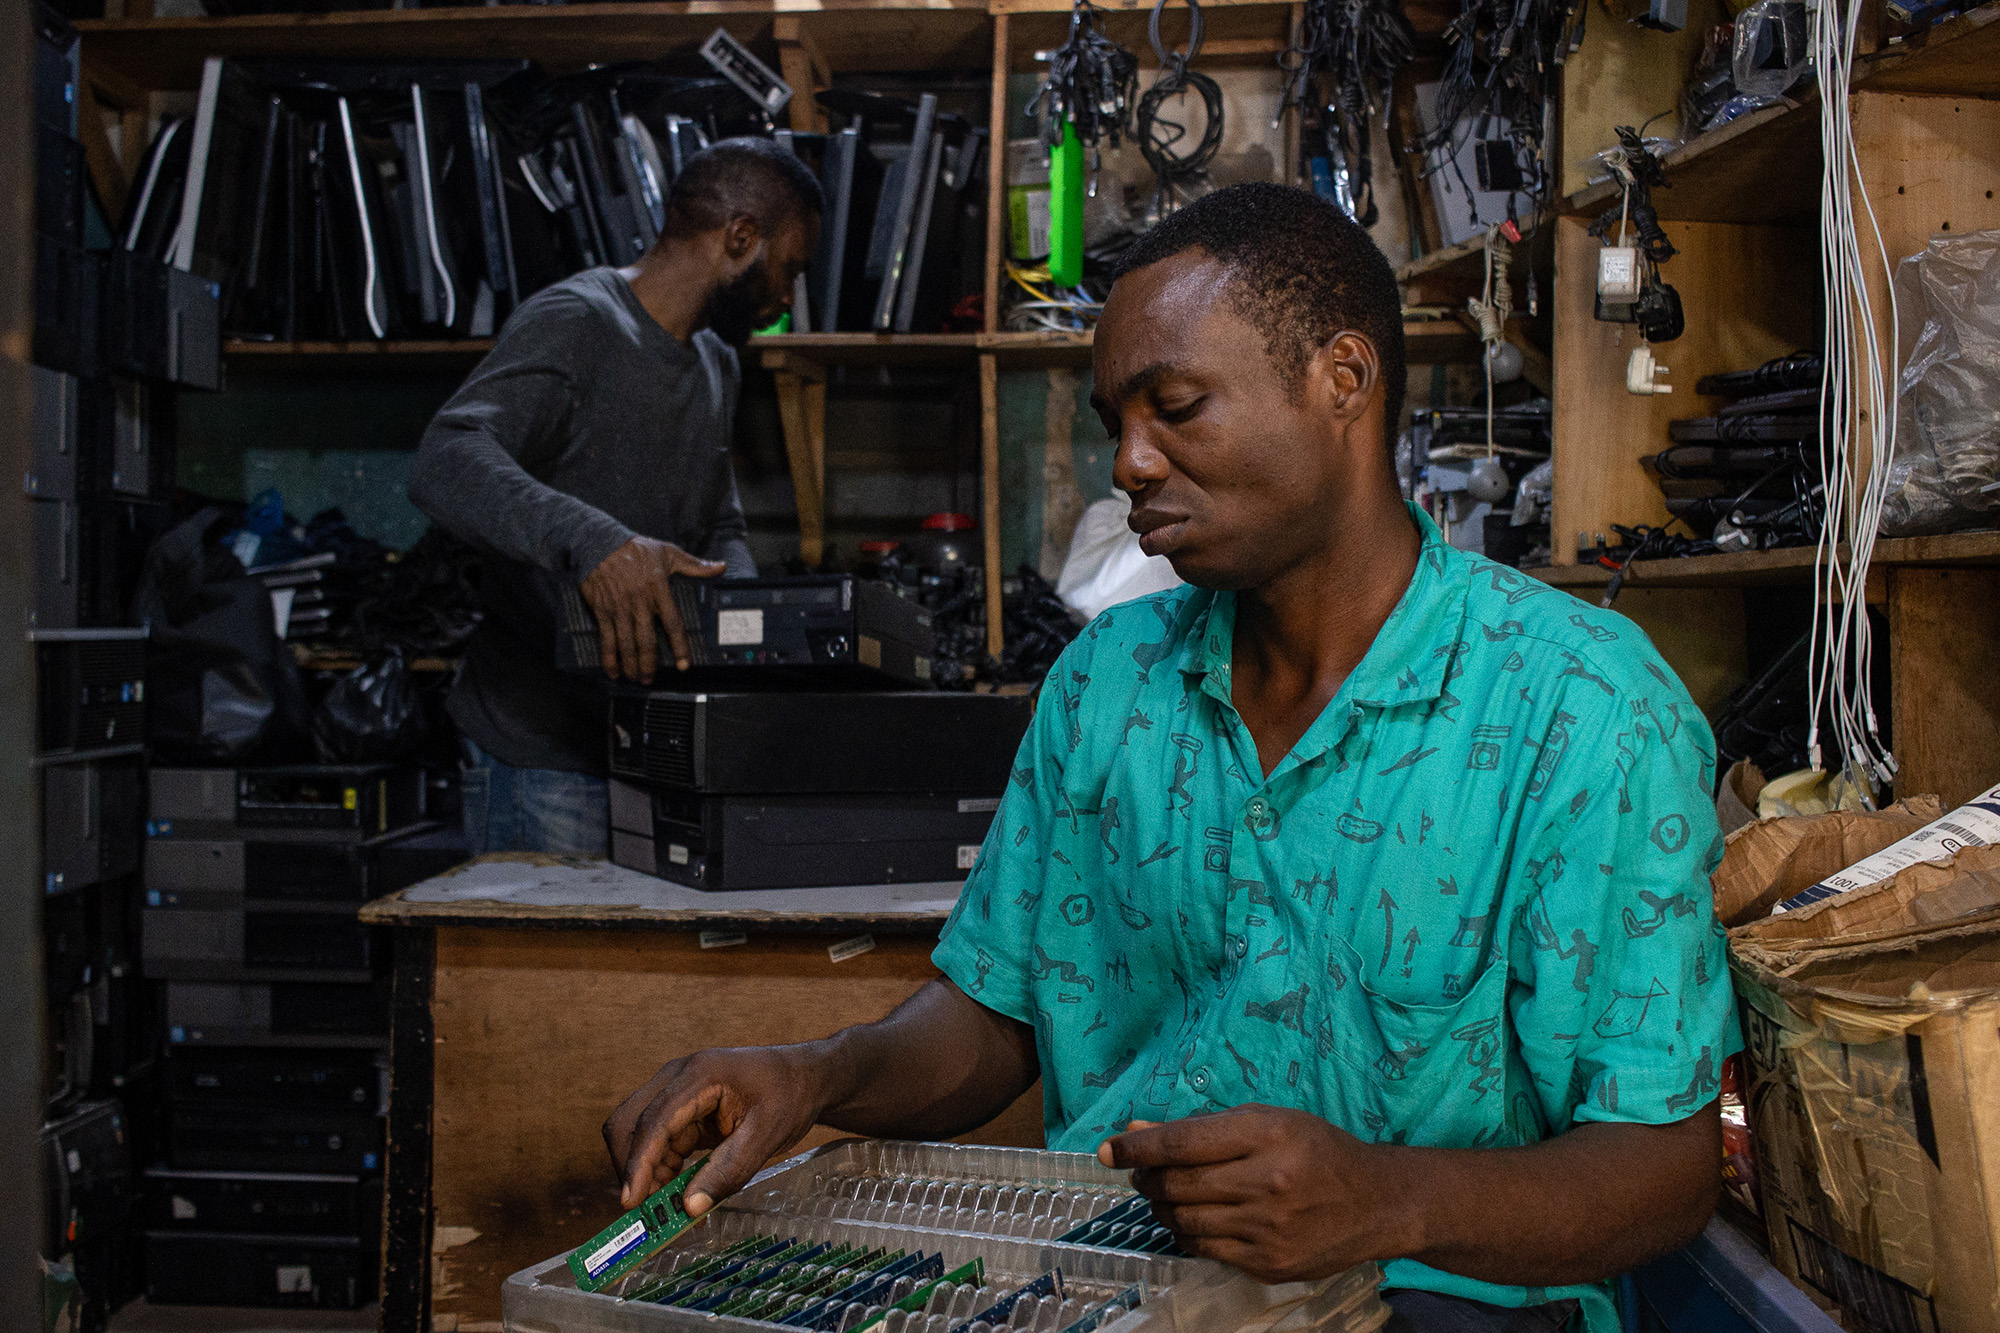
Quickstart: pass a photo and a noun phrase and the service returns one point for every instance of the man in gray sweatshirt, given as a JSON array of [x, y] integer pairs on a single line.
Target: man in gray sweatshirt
[[592, 444]]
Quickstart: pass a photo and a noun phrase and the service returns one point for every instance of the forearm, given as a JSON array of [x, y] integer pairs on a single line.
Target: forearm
[[466, 481], [1584, 1206], [937, 1066]]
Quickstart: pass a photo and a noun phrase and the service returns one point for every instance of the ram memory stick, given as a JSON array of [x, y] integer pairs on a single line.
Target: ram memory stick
[[721, 1285], [974, 1272], [812, 1313], [782, 1292], [928, 1268], [1048, 1284], [635, 1237], [846, 1278], [652, 1288], [1093, 1231], [1098, 1316], [699, 1273]]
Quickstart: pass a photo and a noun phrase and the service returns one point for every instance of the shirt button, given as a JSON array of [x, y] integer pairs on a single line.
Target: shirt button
[[1198, 1080], [1238, 947], [1259, 808]]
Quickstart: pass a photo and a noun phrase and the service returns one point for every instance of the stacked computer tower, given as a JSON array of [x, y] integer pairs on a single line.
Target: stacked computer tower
[[92, 470], [803, 748], [266, 1190]]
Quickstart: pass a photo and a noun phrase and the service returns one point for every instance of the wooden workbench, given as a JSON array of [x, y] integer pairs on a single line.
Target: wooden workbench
[[534, 993]]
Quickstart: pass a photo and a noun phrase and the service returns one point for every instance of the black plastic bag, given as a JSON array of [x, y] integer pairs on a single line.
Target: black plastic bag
[[372, 714], [224, 687]]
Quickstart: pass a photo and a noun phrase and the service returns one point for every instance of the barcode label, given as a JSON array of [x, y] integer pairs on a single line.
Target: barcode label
[[620, 1245]]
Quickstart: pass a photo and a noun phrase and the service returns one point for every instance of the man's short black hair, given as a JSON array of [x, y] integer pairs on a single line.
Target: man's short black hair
[[759, 178], [1301, 271]]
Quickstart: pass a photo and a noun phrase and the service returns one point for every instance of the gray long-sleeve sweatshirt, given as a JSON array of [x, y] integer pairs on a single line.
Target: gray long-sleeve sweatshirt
[[586, 425]]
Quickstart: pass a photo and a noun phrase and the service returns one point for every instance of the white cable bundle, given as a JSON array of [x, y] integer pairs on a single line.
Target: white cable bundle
[[1859, 375]]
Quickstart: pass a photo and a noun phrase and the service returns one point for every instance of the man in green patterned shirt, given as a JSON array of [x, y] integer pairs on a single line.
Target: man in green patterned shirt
[[1355, 895]]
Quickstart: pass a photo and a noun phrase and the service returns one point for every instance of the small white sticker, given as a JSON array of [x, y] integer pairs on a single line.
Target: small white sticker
[[979, 805], [968, 856], [923, 668], [620, 1245], [722, 939], [853, 948], [75, 1161], [734, 629], [183, 1209], [677, 854], [294, 1279]]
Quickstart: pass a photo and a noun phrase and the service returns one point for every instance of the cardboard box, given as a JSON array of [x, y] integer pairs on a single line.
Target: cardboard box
[[1872, 1030], [1767, 862]]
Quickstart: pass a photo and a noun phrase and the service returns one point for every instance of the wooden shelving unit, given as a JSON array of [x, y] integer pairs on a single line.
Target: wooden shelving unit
[[1742, 208]]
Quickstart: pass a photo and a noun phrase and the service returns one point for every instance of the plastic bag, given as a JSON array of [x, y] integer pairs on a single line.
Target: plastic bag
[[223, 686], [1105, 565], [1946, 470], [1772, 51], [371, 715]]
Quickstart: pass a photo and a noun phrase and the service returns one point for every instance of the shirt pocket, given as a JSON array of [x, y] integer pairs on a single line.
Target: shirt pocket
[[1426, 1074]]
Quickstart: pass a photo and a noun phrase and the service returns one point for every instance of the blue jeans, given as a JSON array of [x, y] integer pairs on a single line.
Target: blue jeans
[[510, 809]]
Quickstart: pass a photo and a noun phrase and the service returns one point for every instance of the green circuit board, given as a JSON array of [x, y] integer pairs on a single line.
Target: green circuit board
[[635, 1237]]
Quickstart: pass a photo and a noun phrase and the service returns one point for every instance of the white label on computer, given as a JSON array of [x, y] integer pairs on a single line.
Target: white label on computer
[[677, 854], [968, 855], [734, 629]]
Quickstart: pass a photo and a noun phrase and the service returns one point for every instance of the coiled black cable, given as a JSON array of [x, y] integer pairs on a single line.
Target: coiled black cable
[[1359, 45], [1159, 137], [1091, 83]]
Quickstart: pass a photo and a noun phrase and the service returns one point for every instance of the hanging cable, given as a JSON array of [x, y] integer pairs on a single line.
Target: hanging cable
[[1160, 138], [1491, 309], [1857, 429], [1359, 45], [1090, 83]]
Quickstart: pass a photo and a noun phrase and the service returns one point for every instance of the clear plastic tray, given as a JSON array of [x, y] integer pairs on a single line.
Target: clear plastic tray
[[1004, 1206]]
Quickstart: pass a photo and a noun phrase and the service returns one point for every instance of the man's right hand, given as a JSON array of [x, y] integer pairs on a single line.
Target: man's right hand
[[627, 589], [747, 1103]]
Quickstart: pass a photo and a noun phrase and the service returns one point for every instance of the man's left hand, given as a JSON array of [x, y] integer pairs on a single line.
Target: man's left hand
[[1280, 1194]]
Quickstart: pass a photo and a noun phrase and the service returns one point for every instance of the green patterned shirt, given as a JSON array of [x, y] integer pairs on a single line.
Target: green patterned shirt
[[1469, 909]]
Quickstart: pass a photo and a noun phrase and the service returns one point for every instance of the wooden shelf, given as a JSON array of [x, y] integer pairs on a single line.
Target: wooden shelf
[[1959, 56], [1426, 342], [867, 349], [166, 53], [246, 347], [1791, 564], [1763, 167]]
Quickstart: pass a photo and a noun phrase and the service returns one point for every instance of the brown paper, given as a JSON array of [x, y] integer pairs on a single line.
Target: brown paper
[[1767, 862]]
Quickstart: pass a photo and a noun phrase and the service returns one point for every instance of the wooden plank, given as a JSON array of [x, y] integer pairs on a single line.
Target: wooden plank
[[996, 175], [1248, 35], [406, 1238], [1932, 168], [801, 451], [1749, 294], [866, 349], [1624, 75], [166, 53], [805, 70], [1960, 56], [1790, 564], [989, 497], [1763, 167], [540, 1034], [1699, 631], [250, 347], [1943, 642]]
